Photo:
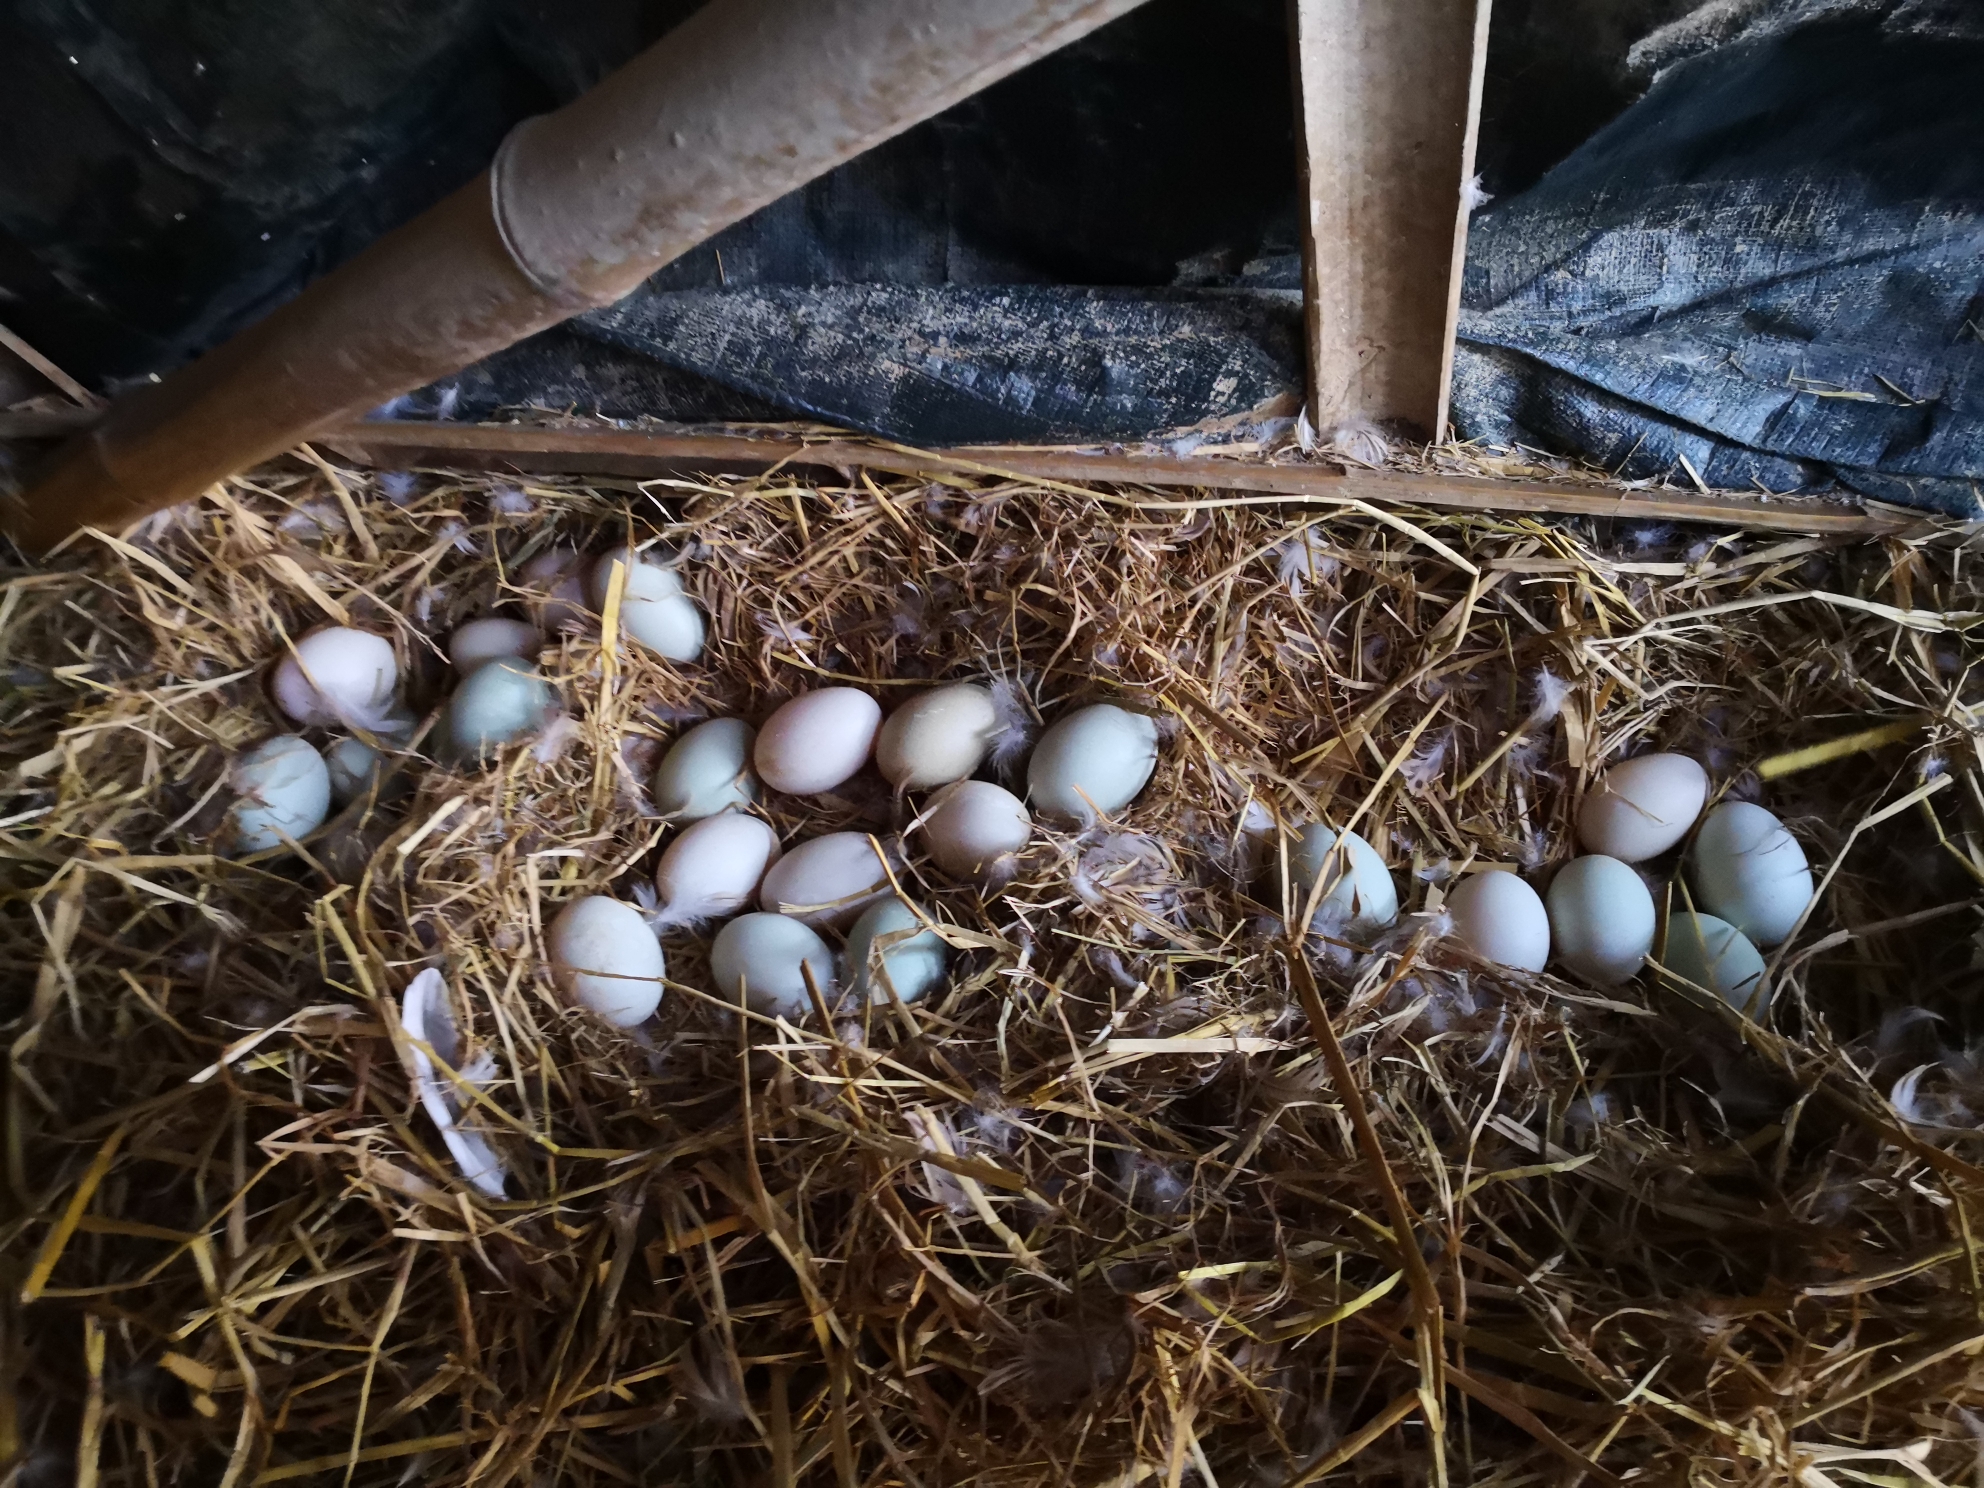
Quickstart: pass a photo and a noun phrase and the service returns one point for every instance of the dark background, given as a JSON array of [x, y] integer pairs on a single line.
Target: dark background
[[177, 167]]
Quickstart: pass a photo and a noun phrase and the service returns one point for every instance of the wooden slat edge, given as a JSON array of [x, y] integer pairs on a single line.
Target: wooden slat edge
[[639, 454]]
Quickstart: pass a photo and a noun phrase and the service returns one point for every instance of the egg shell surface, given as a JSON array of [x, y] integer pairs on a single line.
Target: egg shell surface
[[337, 675], [817, 741], [654, 609], [909, 955], [937, 738], [1601, 919], [1747, 869], [285, 791], [1097, 759], [1499, 918], [557, 575], [826, 881], [606, 959], [491, 637], [1712, 953], [1641, 807], [707, 770], [353, 765], [497, 704], [765, 954], [714, 867], [972, 825], [1360, 899]]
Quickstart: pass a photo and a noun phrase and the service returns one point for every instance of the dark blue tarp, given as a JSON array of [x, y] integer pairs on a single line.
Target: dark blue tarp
[[1771, 267]]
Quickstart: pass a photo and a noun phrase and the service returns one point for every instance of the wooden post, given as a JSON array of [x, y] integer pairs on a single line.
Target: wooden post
[[1389, 98]]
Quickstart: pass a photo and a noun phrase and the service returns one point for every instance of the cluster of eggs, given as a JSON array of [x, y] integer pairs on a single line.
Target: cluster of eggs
[[606, 954], [1751, 882], [343, 678], [725, 859], [1751, 885]]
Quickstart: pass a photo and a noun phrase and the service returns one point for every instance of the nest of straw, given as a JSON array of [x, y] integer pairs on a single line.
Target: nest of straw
[[1147, 1195]]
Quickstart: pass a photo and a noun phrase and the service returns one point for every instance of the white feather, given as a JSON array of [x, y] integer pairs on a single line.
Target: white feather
[[425, 1017]]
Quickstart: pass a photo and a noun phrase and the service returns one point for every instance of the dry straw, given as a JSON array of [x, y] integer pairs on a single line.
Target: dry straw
[[1140, 1198]]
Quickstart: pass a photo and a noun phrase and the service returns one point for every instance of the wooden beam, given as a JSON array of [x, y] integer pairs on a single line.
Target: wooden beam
[[1389, 98], [642, 456]]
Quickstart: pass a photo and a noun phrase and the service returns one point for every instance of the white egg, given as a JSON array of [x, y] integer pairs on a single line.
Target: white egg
[[606, 959], [937, 738], [973, 826], [1748, 870], [1360, 899], [817, 741], [1601, 919], [1641, 807], [1715, 955], [1499, 918], [827, 881], [497, 704], [714, 867], [889, 947], [767, 956], [353, 765], [338, 675], [284, 790], [490, 638], [556, 581], [707, 770], [654, 610], [1095, 760]]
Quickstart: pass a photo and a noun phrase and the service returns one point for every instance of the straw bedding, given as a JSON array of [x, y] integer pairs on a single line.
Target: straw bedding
[[1142, 1197]]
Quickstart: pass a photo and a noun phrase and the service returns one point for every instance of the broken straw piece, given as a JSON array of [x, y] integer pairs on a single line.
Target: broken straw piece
[[428, 1024]]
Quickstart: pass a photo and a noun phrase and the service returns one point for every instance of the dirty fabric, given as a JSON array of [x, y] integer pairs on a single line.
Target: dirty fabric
[[1769, 271]]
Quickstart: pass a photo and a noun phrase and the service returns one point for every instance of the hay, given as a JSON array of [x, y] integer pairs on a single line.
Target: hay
[[1138, 1199]]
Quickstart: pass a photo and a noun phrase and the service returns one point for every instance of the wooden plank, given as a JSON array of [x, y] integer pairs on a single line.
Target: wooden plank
[[1389, 98], [640, 455]]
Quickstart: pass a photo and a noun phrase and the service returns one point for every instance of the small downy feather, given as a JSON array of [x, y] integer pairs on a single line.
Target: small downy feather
[[1013, 734], [1422, 771], [1361, 442], [428, 1024], [1550, 692]]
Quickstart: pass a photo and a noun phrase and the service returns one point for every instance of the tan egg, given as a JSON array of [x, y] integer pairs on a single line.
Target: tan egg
[[827, 881], [491, 638], [1498, 917], [606, 959], [817, 741], [714, 867], [973, 826], [556, 581], [937, 738], [1641, 807]]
